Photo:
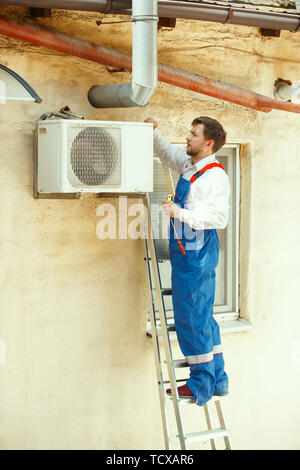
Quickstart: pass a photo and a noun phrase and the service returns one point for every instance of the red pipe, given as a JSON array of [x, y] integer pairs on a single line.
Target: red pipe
[[42, 36], [210, 87]]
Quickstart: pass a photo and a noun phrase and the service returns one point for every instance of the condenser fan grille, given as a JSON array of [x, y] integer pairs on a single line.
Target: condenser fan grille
[[95, 157]]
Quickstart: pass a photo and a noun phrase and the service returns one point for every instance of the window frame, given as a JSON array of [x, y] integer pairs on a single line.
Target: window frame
[[230, 309]]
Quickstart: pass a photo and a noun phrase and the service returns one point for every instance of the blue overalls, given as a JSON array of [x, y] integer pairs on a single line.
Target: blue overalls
[[193, 292]]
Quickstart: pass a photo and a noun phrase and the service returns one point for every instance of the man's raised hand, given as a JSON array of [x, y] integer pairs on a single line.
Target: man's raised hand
[[153, 121]]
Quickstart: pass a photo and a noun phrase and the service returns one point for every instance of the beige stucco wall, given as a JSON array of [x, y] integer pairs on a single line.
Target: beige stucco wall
[[79, 370]]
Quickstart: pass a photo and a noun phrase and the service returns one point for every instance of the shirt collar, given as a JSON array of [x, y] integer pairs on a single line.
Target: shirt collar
[[202, 163]]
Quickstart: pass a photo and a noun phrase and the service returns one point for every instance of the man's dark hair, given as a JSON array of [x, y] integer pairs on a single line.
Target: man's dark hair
[[212, 131]]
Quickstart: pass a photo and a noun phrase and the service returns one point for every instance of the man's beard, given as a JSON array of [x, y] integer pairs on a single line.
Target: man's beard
[[190, 152]]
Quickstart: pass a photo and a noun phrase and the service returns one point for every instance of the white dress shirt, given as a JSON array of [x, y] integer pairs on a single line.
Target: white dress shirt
[[207, 204]]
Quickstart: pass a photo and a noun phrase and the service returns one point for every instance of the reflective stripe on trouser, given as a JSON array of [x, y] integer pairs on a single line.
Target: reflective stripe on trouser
[[203, 358]]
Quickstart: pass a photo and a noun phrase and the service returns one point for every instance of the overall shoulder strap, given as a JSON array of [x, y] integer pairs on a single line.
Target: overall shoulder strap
[[204, 169]]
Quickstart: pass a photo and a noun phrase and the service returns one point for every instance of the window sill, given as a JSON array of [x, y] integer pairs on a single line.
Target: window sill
[[235, 325]]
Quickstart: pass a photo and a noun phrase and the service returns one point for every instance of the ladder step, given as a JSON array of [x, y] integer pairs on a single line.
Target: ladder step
[[180, 363], [192, 401], [177, 381], [170, 327], [167, 291], [206, 435]]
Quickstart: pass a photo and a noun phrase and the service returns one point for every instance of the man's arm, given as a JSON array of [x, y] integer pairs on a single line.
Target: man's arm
[[211, 211], [170, 155]]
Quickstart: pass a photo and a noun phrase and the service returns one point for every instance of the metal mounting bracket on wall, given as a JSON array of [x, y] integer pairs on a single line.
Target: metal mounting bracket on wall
[[272, 33], [40, 12], [108, 7]]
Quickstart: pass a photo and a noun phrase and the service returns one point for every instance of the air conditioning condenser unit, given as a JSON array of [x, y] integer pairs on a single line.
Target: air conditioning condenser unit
[[77, 156]]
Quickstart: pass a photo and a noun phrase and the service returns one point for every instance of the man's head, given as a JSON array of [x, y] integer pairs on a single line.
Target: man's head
[[206, 137]]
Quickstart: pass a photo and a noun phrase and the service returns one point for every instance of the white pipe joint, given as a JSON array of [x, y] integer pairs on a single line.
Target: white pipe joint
[[284, 90], [144, 63]]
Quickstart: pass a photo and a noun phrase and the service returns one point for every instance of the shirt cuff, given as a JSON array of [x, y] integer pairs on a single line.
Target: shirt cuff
[[185, 216]]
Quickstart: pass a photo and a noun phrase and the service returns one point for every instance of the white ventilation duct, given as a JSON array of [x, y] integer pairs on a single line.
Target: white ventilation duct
[[144, 63]]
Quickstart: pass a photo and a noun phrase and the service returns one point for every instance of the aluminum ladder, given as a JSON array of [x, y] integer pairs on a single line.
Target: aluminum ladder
[[160, 333]]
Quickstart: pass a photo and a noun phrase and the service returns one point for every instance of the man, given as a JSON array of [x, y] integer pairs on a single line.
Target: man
[[201, 206]]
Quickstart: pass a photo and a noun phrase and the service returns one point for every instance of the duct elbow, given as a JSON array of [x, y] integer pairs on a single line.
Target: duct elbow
[[144, 63], [141, 94], [120, 96]]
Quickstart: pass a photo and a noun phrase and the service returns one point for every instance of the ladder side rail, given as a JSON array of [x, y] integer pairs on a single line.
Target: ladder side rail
[[155, 342], [223, 424], [157, 281], [165, 333], [209, 426]]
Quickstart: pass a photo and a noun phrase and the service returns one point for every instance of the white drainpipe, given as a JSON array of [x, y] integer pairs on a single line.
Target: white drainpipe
[[144, 63]]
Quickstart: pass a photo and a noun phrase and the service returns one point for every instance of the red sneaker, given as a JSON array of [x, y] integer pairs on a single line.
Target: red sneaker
[[183, 392]]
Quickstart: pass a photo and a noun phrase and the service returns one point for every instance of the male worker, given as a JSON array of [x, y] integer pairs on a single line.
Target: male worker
[[200, 206]]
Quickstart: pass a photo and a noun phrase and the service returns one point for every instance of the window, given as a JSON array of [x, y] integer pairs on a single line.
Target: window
[[226, 308]]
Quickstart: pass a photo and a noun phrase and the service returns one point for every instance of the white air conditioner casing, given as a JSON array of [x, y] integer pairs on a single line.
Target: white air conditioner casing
[[77, 156]]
